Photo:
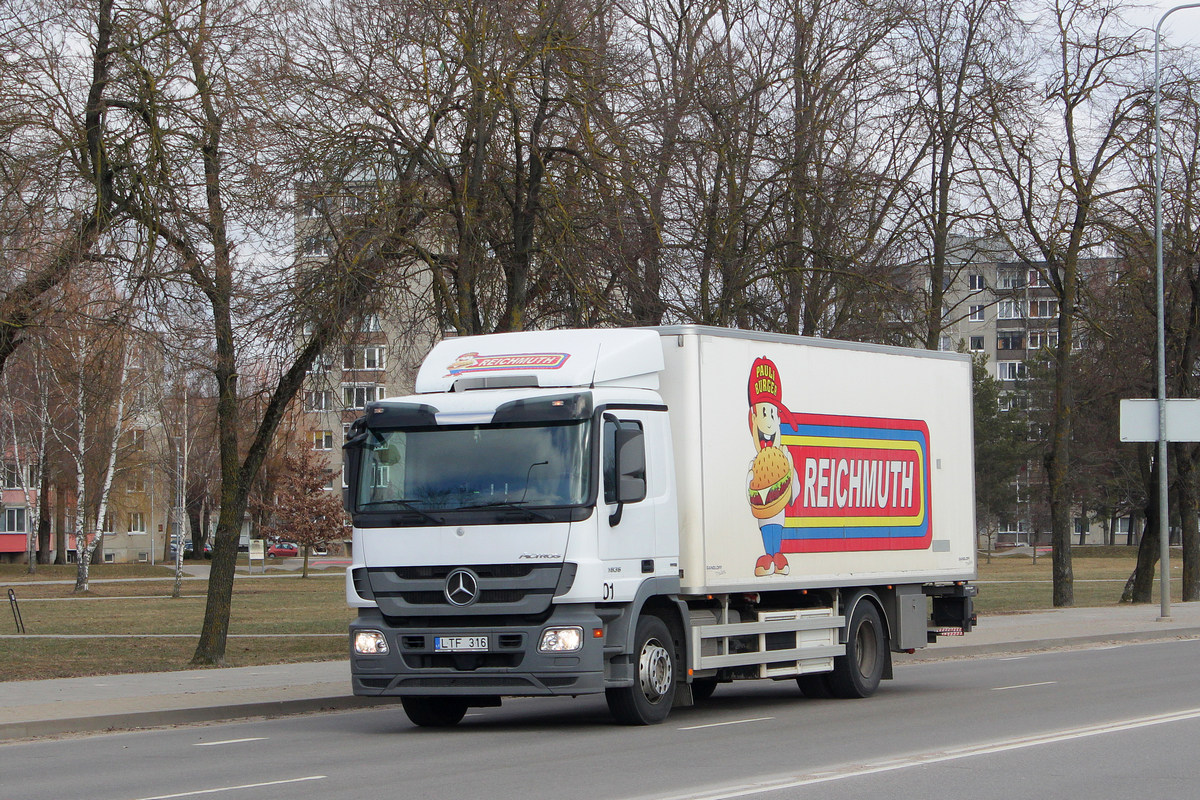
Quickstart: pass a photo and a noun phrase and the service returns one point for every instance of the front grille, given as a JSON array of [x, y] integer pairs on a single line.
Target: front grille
[[512, 589]]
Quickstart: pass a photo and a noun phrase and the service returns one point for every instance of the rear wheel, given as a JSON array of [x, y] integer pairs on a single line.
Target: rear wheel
[[434, 712], [649, 700], [857, 674]]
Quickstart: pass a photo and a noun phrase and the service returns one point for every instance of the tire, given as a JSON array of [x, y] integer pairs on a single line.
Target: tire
[[434, 712], [857, 674], [649, 700], [703, 688], [814, 686]]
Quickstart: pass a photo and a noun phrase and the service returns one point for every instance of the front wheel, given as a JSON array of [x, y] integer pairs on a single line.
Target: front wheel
[[857, 674], [649, 700], [434, 712]]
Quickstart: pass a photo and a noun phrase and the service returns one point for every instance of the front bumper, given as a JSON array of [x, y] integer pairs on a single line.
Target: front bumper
[[512, 666]]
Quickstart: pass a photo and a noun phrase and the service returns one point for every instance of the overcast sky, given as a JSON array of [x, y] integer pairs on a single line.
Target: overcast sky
[[1183, 26]]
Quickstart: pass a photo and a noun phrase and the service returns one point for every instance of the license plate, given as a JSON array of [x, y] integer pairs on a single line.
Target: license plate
[[458, 644]]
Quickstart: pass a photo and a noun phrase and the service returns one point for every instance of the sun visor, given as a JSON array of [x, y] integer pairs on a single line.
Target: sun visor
[[567, 358]]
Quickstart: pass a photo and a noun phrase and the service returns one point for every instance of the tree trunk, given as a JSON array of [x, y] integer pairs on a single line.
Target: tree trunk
[[1185, 497], [1143, 577]]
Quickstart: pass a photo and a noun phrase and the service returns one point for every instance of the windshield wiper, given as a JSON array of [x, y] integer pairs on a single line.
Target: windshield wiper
[[407, 506], [518, 505]]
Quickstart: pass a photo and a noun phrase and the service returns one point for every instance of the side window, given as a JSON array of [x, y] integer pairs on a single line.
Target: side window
[[611, 425]]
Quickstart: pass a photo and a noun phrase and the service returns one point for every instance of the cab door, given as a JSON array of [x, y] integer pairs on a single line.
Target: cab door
[[630, 540]]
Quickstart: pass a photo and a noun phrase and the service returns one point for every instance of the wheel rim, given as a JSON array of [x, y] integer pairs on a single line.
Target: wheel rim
[[654, 670], [866, 648]]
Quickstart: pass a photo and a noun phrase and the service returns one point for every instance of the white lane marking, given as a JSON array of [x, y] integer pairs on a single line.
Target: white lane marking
[[232, 741], [1013, 658], [719, 724], [925, 759], [1022, 686], [235, 788]]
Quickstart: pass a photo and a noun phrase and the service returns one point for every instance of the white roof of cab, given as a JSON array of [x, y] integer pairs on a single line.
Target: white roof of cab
[[577, 358]]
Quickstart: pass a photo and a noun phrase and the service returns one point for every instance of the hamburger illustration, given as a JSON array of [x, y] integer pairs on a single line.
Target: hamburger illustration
[[771, 484]]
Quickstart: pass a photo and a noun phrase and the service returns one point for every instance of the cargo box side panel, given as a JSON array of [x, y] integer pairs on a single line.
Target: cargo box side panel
[[680, 390], [871, 478]]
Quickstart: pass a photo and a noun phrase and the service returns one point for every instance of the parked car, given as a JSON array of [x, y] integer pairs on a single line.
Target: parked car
[[187, 549], [208, 549], [283, 550], [319, 550]]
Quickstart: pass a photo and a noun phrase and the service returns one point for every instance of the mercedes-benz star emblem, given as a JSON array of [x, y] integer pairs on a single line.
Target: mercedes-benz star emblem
[[462, 587]]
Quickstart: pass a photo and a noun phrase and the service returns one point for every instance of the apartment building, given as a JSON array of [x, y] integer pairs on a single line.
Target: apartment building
[[1006, 310]]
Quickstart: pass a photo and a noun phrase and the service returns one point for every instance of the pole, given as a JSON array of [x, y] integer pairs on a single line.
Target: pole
[[1164, 535]]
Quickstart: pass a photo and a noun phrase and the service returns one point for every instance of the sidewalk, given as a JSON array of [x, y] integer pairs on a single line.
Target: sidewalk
[[82, 705]]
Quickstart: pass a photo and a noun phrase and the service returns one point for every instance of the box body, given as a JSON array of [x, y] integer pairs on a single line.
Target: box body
[[880, 445]]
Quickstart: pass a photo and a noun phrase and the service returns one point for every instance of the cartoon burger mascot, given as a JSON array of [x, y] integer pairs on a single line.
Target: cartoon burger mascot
[[771, 476]]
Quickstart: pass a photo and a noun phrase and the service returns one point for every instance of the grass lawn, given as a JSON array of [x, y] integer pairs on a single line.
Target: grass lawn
[[287, 617], [1014, 583], [282, 617]]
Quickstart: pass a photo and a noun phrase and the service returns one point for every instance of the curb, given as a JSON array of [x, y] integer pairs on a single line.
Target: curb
[[119, 721], [1044, 645]]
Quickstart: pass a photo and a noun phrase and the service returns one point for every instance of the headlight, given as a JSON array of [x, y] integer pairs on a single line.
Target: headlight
[[370, 643], [561, 640]]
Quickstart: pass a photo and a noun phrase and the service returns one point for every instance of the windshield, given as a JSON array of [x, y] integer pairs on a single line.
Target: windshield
[[527, 466]]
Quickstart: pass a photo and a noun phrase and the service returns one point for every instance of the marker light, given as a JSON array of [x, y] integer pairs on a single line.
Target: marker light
[[561, 640], [370, 643]]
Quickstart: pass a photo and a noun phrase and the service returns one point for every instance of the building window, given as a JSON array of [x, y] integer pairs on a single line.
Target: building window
[[1035, 278], [976, 282], [945, 344], [318, 400], [363, 358], [328, 481], [1040, 339], [135, 482], [1010, 340], [1010, 370], [14, 520], [316, 246], [1043, 309], [322, 440], [1009, 309], [12, 475], [137, 439], [977, 313], [137, 522], [314, 207], [1009, 279], [976, 344], [359, 396]]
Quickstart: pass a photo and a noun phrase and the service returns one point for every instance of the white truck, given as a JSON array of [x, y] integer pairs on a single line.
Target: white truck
[[650, 512]]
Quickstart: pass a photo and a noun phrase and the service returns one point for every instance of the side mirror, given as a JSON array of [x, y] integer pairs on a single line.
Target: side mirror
[[630, 447]]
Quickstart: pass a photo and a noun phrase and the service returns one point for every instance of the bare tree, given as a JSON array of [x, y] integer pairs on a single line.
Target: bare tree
[[57, 178], [1048, 174]]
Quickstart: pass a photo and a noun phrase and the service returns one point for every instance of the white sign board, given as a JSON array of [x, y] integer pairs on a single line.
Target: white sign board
[[1139, 420]]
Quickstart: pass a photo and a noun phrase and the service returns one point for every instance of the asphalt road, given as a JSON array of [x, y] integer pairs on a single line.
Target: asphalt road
[[1083, 724]]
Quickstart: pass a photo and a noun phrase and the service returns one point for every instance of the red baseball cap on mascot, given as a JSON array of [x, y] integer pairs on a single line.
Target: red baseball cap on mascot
[[764, 383]]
